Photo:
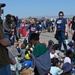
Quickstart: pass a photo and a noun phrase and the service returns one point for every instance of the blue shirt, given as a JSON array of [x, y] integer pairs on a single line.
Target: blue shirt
[[40, 27], [60, 24], [18, 23], [33, 29], [43, 25], [48, 23]]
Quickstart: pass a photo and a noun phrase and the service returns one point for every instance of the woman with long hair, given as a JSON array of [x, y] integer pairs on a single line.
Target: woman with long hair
[[9, 28], [13, 18]]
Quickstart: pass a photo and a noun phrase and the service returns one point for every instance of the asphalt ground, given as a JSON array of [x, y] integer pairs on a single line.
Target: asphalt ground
[[45, 37]]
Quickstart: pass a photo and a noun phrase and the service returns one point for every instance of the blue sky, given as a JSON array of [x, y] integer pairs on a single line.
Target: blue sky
[[26, 8]]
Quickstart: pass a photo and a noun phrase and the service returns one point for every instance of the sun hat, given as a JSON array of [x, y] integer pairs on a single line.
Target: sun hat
[[67, 67]]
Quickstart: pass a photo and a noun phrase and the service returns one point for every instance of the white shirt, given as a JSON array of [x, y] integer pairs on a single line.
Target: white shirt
[[53, 55], [67, 59], [55, 70]]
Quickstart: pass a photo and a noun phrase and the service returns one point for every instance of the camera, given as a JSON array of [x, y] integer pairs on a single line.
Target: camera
[[2, 5]]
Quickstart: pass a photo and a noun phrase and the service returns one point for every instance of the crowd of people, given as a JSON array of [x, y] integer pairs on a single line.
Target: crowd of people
[[34, 57]]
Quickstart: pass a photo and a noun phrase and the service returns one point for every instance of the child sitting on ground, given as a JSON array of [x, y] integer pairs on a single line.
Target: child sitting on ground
[[16, 67], [67, 69], [55, 70], [53, 52], [23, 50], [68, 57], [28, 62], [71, 46], [16, 45], [50, 43], [57, 49], [23, 46]]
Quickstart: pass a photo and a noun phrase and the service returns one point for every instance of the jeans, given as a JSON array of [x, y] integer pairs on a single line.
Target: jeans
[[61, 39], [8, 36], [5, 70]]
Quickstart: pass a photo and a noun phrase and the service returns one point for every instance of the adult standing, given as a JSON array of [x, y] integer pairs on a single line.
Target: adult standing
[[73, 30], [4, 58], [18, 27], [13, 18], [48, 24], [43, 23], [9, 27], [61, 30], [23, 29], [33, 28]]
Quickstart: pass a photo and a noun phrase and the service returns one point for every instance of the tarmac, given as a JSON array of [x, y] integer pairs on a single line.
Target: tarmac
[[45, 37]]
